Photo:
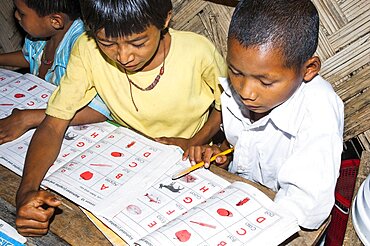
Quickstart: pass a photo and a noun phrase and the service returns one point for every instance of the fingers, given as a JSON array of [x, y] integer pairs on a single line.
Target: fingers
[[34, 213], [30, 227], [11, 127], [195, 154]]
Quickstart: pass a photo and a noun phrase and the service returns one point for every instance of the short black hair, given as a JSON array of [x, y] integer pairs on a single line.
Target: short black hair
[[47, 7], [121, 18], [292, 26]]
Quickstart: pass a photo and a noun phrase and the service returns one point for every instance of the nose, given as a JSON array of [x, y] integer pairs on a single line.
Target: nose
[[247, 90], [124, 55]]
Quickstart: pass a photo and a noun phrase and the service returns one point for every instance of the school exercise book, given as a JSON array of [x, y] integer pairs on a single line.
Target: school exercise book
[[125, 180]]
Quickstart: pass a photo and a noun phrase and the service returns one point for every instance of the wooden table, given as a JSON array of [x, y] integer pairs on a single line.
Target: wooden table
[[71, 227]]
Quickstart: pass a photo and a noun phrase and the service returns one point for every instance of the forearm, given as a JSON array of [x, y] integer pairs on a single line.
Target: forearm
[[210, 128], [87, 115], [14, 59], [42, 152], [32, 117]]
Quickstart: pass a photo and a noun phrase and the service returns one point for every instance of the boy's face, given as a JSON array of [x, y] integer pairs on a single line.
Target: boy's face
[[137, 52], [34, 25], [259, 76]]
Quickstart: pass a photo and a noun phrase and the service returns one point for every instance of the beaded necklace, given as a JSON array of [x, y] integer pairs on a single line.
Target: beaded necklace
[[46, 61], [153, 84]]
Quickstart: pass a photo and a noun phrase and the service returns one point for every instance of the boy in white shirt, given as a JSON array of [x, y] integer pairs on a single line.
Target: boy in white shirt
[[283, 119]]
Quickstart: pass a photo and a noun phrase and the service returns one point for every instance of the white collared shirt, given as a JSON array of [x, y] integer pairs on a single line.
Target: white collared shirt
[[294, 150]]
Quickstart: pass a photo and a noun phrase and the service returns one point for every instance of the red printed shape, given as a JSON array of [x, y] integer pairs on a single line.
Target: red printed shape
[[19, 95], [242, 202], [86, 175], [130, 144], [224, 212], [183, 235], [147, 154], [32, 88], [116, 154], [188, 178]]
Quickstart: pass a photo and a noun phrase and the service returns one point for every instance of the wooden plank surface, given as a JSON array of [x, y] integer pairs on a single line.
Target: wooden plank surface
[[71, 226]]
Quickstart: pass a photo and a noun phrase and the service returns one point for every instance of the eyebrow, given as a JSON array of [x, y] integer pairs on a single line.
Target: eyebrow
[[259, 76], [105, 39]]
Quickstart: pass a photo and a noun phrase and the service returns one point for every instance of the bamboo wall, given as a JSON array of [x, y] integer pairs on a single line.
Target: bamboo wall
[[344, 47]]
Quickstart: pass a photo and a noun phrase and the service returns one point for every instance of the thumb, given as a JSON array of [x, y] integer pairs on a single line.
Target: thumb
[[51, 200]]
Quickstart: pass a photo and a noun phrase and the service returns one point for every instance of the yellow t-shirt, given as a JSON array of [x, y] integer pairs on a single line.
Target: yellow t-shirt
[[176, 107]]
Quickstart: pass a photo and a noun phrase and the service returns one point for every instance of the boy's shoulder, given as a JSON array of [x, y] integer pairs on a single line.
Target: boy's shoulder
[[86, 41], [318, 90], [321, 102], [191, 39]]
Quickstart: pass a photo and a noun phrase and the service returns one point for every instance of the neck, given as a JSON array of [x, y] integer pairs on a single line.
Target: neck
[[53, 42], [157, 60], [256, 116], [58, 36]]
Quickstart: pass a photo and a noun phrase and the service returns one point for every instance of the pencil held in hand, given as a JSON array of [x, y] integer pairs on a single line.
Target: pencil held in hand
[[200, 164]]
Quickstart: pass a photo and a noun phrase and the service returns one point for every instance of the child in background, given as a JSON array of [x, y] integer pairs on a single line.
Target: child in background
[[154, 79], [53, 27], [284, 120]]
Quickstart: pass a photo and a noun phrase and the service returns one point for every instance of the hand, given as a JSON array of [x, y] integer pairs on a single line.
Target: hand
[[183, 143], [34, 210], [204, 153], [13, 126]]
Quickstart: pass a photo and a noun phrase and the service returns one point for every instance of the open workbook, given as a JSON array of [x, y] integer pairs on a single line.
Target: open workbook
[[125, 180]]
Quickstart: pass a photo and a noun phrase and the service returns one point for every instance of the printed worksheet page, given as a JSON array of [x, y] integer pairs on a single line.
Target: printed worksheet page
[[139, 213], [31, 92], [120, 163]]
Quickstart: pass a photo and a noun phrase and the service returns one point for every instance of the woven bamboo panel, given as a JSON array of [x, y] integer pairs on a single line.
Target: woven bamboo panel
[[344, 48], [10, 36]]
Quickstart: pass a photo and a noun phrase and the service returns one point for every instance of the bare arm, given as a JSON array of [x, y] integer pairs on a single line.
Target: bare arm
[[87, 115], [14, 59], [210, 128], [34, 207], [21, 121]]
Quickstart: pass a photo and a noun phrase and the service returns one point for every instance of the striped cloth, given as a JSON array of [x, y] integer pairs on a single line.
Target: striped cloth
[[33, 49]]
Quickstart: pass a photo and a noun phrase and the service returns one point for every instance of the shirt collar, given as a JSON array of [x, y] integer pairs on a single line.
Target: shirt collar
[[76, 28], [286, 116]]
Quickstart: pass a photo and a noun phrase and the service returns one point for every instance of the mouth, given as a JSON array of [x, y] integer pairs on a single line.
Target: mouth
[[252, 107], [130, 67]]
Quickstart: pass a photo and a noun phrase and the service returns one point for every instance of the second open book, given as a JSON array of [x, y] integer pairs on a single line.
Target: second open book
[[124, 179]]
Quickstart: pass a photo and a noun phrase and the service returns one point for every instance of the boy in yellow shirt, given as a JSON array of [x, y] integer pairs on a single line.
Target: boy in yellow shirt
[[153, 79]]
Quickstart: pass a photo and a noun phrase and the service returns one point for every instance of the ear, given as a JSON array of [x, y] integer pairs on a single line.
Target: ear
[[311, 68], [57, 21], [168, 19]]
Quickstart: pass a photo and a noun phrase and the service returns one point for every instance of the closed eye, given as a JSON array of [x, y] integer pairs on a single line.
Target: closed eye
[[234, 72], [106, 44], [138, 45], [266, 84]]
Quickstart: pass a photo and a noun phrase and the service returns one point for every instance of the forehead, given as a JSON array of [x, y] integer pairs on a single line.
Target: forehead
[[22, 7], [257, 54], [150, 32], [20, 4]]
